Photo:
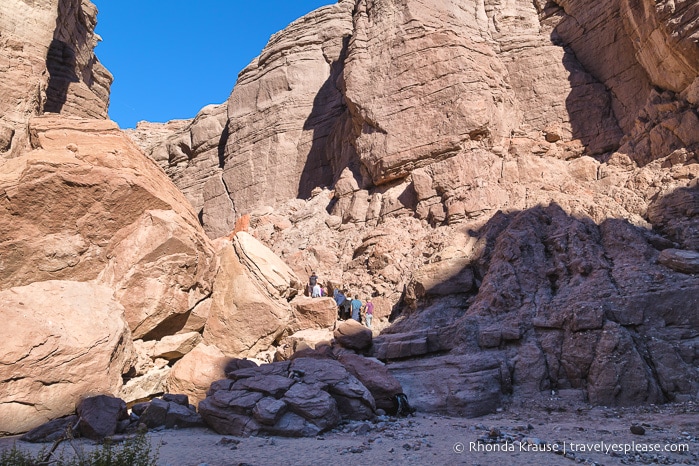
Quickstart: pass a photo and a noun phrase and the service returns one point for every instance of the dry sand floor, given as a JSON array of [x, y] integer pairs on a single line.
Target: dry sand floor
[[532, 434]]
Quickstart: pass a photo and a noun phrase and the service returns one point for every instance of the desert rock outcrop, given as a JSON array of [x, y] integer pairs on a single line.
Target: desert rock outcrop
[[62, 340], [131, 229], [47, 64], [87, 208], [513, 183], [528, 185], [249, 309]]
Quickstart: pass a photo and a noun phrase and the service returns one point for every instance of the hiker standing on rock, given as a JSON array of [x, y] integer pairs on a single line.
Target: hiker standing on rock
[[340, 299], [368, 312], [312, 282], [356, 308]]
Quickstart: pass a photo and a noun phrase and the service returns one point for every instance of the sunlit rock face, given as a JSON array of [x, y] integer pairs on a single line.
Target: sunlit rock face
[[62, 341], [47, 64], [513, 183]]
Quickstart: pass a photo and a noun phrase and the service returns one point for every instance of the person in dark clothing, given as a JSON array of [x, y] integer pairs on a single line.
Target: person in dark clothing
[[340, 299], [346, 308]]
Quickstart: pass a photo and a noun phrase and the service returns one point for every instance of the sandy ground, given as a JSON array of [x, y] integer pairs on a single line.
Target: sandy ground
[[542, 435]]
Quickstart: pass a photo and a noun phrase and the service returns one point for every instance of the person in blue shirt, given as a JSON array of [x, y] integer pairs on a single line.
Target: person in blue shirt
[[356, 307]]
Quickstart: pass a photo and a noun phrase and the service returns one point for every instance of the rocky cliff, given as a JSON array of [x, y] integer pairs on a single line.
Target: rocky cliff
[[48, 64], [514, 182]]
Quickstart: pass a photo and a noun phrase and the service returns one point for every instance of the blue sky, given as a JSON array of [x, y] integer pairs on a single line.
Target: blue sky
[[171, 58]]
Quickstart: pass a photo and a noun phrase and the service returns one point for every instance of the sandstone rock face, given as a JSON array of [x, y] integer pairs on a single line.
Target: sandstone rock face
[[191, 153], [193, 374], [86, 205], [296, 91], [63, 340], [249, 307], [47, 64], [511, 179]]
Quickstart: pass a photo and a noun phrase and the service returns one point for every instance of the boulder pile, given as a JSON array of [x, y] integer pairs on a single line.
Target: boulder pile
[[297, 398]]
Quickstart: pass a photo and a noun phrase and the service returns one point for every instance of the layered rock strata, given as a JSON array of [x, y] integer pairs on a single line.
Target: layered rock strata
[[47, 64], [62, 340]]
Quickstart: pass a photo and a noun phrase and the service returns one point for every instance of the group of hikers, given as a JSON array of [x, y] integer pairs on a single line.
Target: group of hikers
[[348, 307]]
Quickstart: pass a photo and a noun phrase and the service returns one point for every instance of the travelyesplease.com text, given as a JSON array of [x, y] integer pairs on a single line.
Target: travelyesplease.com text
[[575, 447]]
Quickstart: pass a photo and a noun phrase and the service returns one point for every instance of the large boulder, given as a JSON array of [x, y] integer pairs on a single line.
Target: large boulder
[[468, 386], [353, 335], [63, 340], [129, 227], [312, 313], [193, 374], [297, 399], [249, 308], [375, 377], [100, 415]]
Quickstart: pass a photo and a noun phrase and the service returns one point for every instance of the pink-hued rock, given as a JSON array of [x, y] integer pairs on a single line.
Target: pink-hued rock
[[249, 308], [506, 179], [111, 215], [283, 109], [353, 335], [47, 64], [190, 152], [312, 313], [193, 374], [62, 341]]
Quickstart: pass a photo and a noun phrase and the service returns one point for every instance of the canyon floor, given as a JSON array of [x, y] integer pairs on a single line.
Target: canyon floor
[[548, 432]]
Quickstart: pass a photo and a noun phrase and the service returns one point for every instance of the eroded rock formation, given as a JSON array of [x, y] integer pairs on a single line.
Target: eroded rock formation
[[85, 209], [61, 340], [47, 64], [514, 180], [514, 184]]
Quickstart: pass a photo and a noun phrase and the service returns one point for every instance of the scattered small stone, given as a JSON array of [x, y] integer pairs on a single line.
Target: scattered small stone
[[637, 430], [228, 441], [391, 450], [362, 429]]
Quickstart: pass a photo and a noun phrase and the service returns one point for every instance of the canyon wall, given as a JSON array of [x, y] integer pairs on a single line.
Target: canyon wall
[[511, 182], [47, 63]]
